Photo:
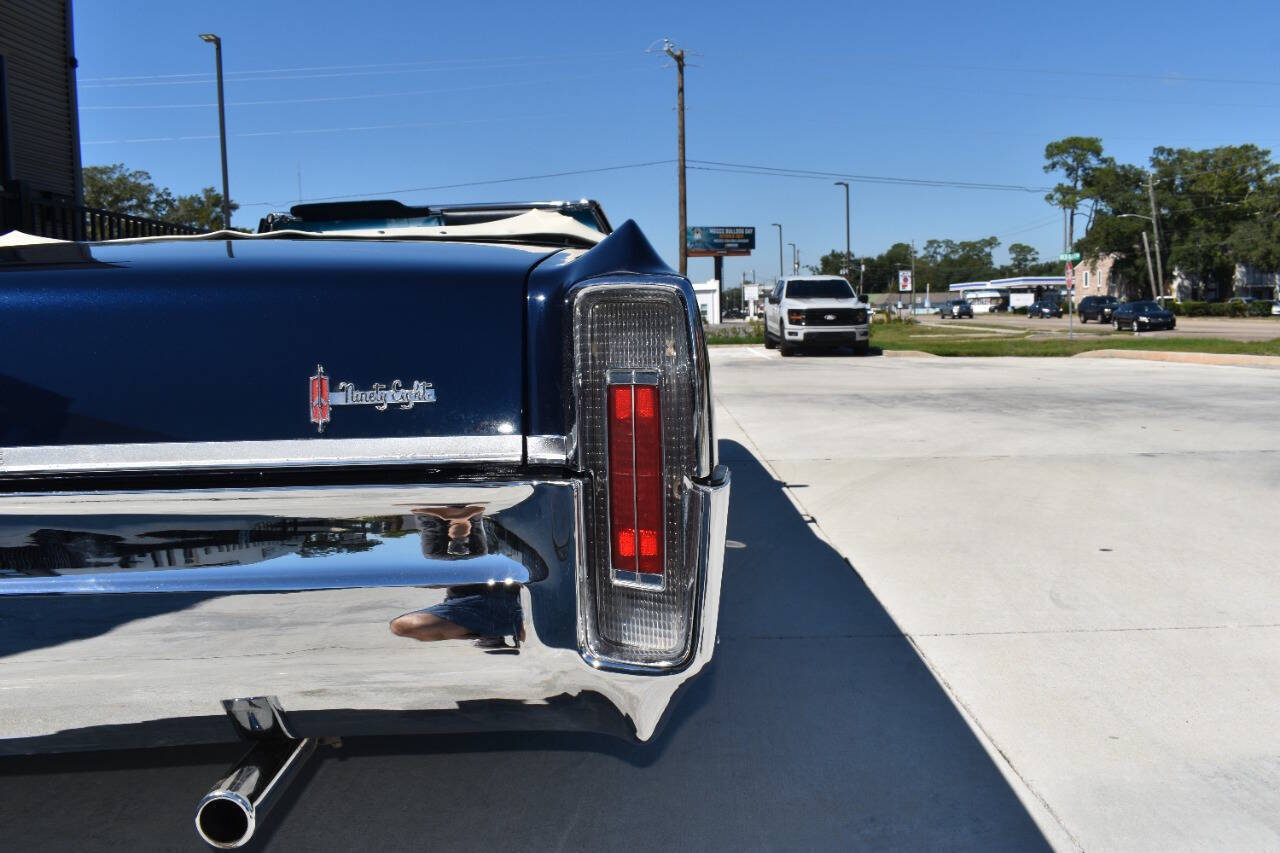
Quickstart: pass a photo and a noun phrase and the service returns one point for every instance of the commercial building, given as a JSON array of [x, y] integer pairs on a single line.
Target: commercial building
[[1001, 294], [708, 296]]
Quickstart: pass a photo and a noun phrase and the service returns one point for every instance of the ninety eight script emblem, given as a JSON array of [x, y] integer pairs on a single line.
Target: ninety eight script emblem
[[379, 396]]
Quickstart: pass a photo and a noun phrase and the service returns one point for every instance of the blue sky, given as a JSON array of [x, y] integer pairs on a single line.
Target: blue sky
[[376, 98]]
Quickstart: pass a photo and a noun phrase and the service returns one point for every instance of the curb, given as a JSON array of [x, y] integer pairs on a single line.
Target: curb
[[1241, 360], [912, 353]]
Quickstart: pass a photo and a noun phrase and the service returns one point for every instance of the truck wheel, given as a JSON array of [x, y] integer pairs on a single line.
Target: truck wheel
[[1083, 319], [786, 348], [861, 347], [769, 343]]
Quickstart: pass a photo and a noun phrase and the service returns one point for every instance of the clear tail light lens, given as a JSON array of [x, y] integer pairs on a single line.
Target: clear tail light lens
[[637, 419]]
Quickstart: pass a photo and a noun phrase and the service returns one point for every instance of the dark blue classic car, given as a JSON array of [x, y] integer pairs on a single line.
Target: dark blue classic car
[[376, 469]]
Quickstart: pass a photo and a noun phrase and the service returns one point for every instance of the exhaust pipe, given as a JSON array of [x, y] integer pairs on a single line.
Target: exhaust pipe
[[228, 815]]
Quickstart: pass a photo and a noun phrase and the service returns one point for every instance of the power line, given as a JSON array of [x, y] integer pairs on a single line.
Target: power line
[[470, 183], [366, 96], [284, 74], [306, 131], [811, 174], [771, 172]]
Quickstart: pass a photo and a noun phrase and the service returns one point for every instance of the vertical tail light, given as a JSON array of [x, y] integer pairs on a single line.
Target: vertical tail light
[[636, 529], [638, 422]]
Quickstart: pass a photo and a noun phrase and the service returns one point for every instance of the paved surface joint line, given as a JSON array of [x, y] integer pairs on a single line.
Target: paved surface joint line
[[977, 724]]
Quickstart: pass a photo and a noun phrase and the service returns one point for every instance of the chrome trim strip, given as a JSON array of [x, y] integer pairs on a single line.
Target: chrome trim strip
[[546, 450], [270, 563], [631, 376], [283, 453]]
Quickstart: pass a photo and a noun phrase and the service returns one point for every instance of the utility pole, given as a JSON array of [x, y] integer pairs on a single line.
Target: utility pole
[[778, 225], [677, 55], [795, 259], [1068, 227], [913, 277], [222, 126], [1155, 228]]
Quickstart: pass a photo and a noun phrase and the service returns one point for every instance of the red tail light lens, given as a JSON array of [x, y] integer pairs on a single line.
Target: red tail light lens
[[635, 483]]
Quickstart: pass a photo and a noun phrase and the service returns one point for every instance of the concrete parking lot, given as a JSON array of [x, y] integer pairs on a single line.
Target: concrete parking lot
[[1084, 553], [1231, 328], [975, 604]]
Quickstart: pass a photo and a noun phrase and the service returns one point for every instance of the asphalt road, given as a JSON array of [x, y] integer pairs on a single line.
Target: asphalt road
[[978, 605], [1231, 328]]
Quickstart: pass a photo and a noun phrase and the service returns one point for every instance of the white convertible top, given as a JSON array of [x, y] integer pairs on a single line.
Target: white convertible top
[[531, 224]]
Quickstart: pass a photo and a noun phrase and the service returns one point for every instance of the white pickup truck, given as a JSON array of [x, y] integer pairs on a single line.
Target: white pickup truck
[[815, 311]]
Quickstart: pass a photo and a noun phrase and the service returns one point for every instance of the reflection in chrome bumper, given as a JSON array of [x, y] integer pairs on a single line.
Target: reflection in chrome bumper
[[127, 618]]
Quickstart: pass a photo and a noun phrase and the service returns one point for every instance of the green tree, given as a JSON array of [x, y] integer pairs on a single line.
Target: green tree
[[832, 263], [200, 210], [945, 262], [1075, 158], [1207, 200], [1022, 258], [118, 189]]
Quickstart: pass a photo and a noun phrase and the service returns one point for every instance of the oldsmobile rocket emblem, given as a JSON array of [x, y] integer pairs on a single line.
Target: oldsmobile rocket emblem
[[378, 395]]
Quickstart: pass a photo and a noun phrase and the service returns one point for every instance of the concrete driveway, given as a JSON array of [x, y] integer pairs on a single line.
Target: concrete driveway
[[1084, 552]]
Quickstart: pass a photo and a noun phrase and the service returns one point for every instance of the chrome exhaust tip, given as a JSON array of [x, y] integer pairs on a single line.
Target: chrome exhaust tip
[[228, 815]]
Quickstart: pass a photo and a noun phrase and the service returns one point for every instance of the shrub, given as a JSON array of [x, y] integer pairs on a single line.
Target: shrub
[[1260, 309]]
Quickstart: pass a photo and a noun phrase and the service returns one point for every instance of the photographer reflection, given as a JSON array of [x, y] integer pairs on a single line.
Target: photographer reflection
[[488, 612]]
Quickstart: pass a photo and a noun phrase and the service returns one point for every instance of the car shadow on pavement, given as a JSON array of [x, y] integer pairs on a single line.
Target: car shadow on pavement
[[817, 727]]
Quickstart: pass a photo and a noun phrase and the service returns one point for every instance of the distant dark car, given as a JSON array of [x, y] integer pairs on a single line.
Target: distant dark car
[[1142, 317], [955, 309], [1097, 308], [1044, 309]]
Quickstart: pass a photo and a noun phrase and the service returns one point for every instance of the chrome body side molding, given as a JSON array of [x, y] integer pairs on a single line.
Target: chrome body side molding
[[284, 453], [547, 450]]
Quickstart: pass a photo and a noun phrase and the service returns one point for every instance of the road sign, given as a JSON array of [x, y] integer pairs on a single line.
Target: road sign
[[1071, 277], [1069, 256], [904, 281]]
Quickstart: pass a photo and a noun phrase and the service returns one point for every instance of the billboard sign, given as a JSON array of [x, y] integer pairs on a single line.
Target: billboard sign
[[706, 241], [904, 281]]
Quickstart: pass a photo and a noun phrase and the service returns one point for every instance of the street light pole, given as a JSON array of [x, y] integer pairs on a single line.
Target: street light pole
[[1155, 288], [1157, 280], [778, 225], [222, 127], [848, 253], [795, 262], [1155, 229]]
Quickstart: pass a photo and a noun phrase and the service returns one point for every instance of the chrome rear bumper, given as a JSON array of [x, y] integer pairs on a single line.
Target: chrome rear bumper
[[128, 618]]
